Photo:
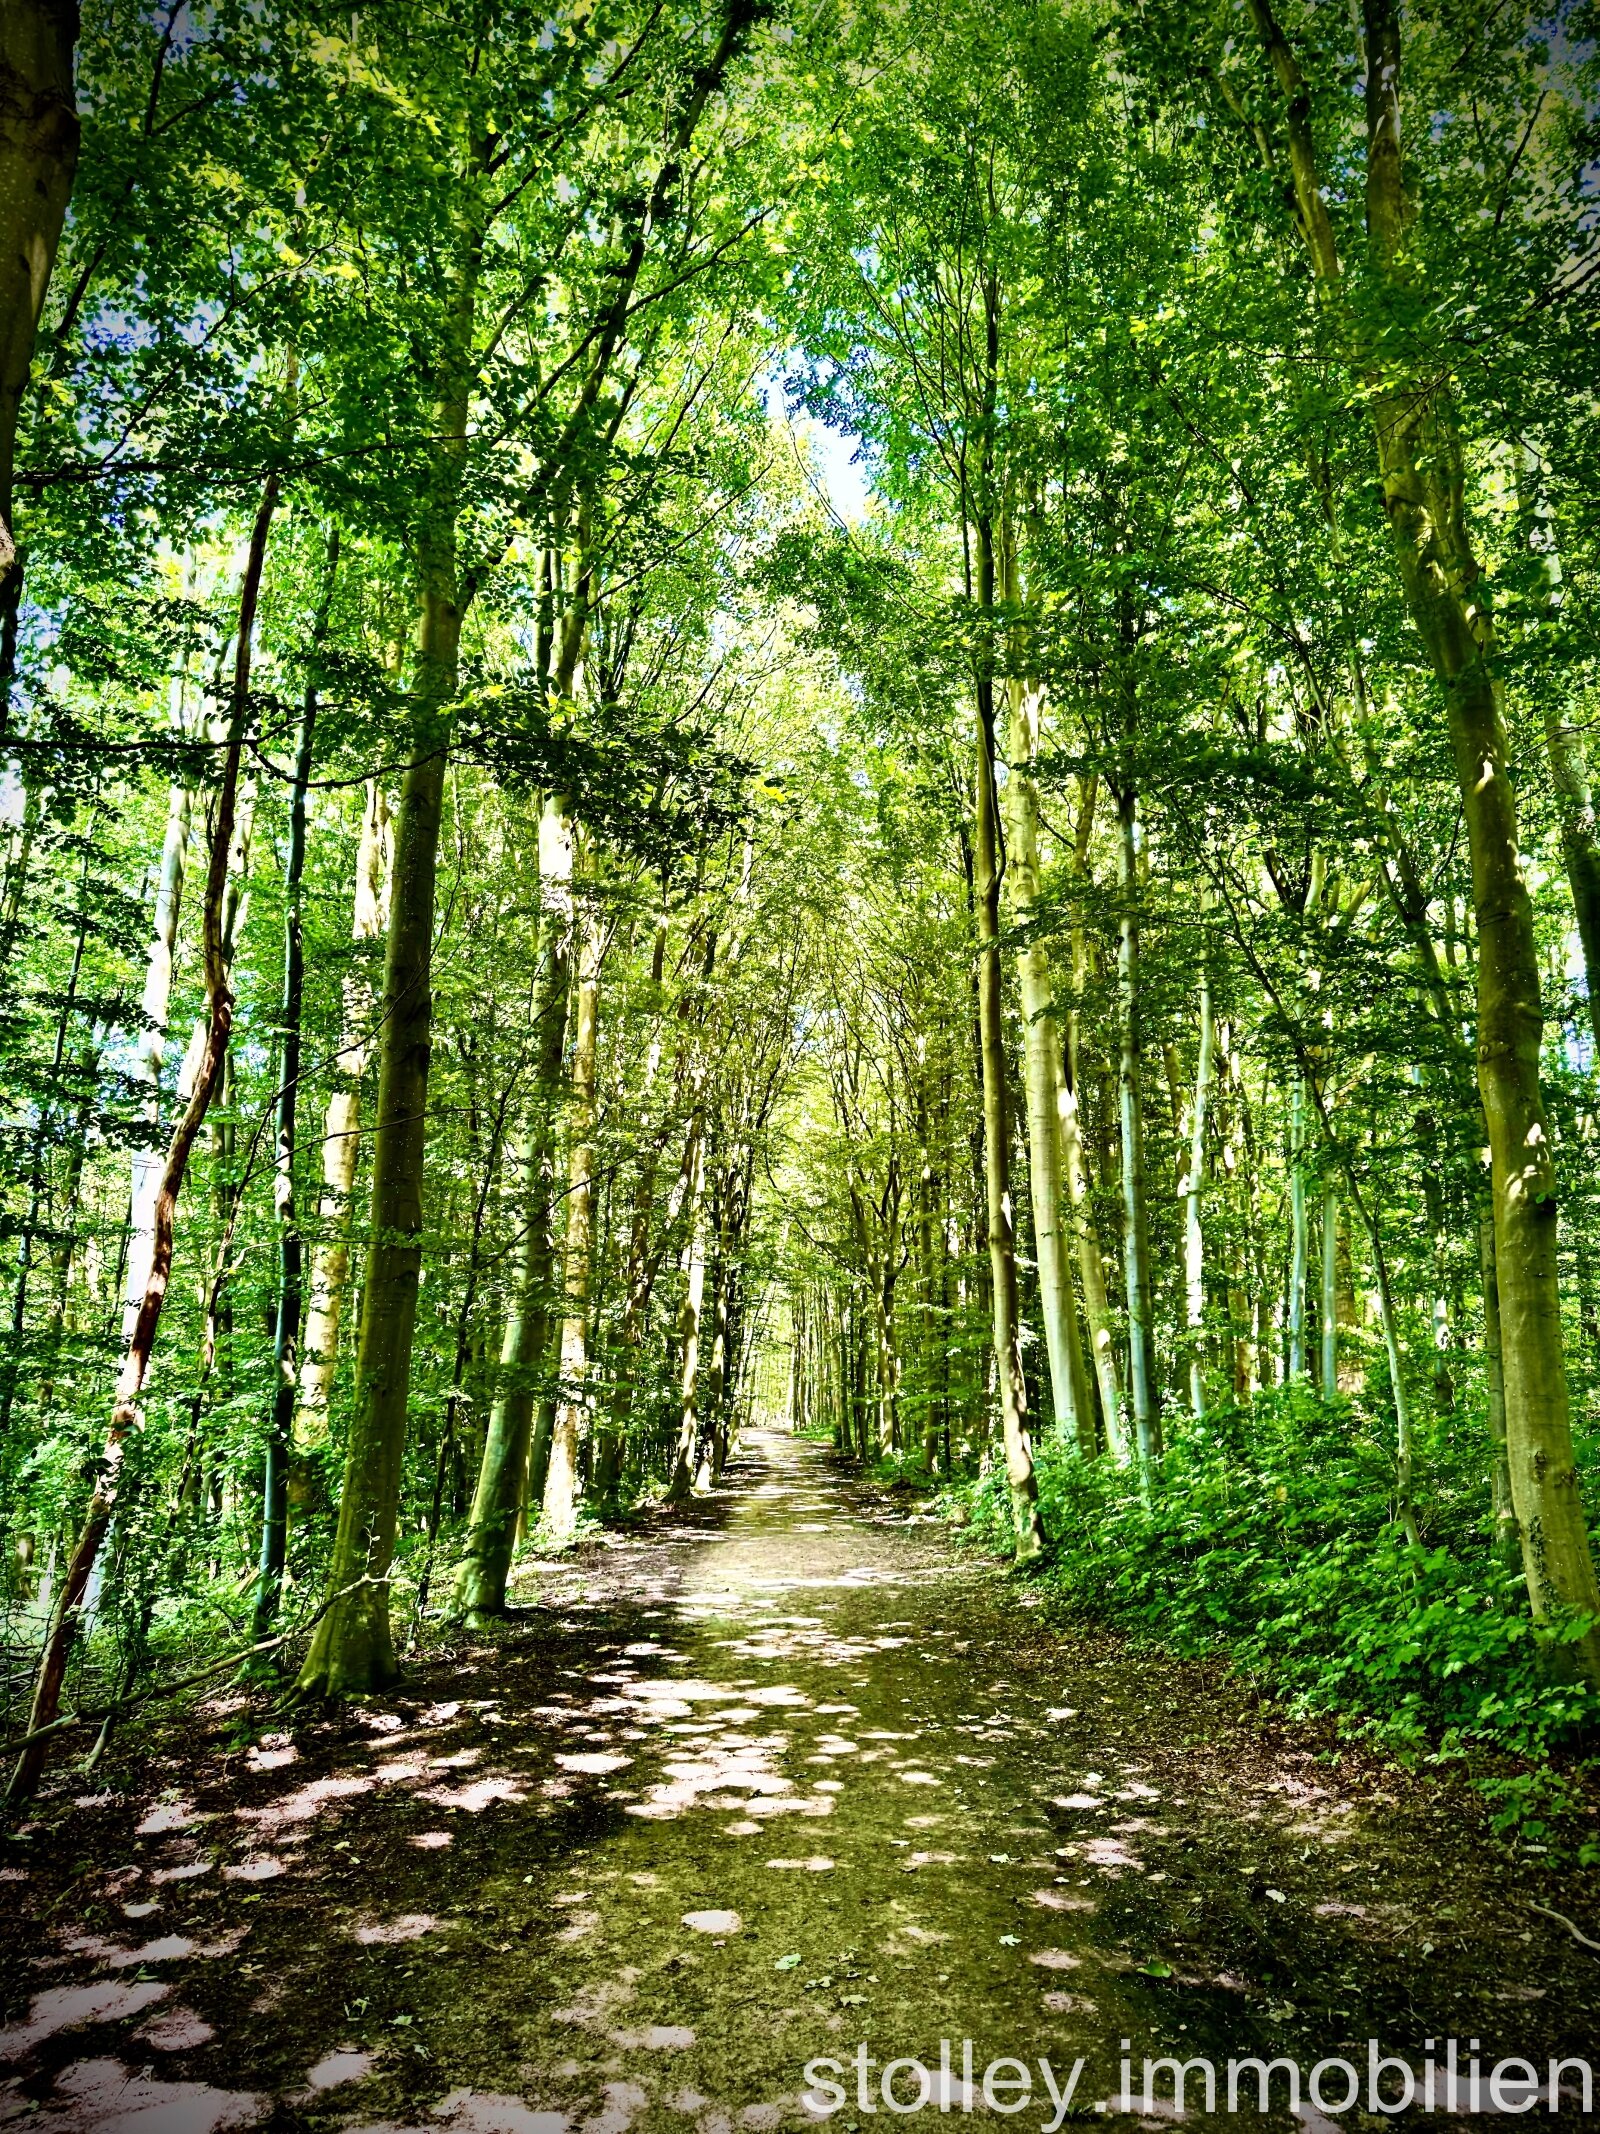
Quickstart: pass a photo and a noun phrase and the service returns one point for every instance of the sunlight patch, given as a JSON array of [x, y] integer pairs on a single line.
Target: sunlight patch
[[345, 2065], [177, 2030], [101, 2094], [67, 2007], [410, 1926]]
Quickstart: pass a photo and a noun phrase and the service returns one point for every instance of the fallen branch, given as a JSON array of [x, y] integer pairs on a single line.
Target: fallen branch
[[1561, 1918]]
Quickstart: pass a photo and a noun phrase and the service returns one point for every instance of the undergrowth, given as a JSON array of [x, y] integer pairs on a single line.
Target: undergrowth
[[1269, 1537]]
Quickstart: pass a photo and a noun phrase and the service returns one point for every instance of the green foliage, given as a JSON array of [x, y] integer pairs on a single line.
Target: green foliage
[[1269, 1537]]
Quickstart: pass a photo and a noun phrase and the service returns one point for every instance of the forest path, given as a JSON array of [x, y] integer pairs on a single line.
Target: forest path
[[770, 1780]]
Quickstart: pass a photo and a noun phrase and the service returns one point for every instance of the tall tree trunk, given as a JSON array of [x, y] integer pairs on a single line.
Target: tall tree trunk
[[1507, 1541], [38, 161], [1091, 1261], [716, 1372], [141, 1341], [1010, 1384], [1299, 1230], [1135, 1194], [1329, 1314], [480, 1579], [1044, 1082], [638, 1279], [147, 1166], [1421, 461], [1563, 742], [341, 1148], [572, 1408], [732, 1328], [929, 1301], [480, 1589], [222, 1131], [1241, 1300], [352, 1650], [680, 1483], [1194, 1244], [291, 1255]]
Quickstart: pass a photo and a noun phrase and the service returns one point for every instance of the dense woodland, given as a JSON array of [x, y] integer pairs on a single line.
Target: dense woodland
[[540, 926]]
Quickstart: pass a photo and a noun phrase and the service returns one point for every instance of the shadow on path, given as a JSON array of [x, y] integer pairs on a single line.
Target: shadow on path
[[780, 1779]]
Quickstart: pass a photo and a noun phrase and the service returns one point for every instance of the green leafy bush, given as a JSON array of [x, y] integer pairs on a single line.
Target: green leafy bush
[[1270, 1535]]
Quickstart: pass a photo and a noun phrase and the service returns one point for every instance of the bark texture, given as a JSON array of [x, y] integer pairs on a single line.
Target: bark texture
[[1194, 1242]]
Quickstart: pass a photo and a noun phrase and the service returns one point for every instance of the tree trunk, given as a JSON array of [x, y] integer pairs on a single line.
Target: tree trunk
[[1563, 742], [638, 1280], [561, 1480], [716, 1372], [1135, 1198], [1091, 1261], [141, 1341], [1018, 1444], [1299, 1230], [1329, 1313], [680, 1485], [480, 1579], [1044, 1082], [930, 1314], [352, 1650], [1194, 1265], [291, 1254], [1420, 459], [508, 1476], [341, 1148], [155, 1003], [1507, 1541], [38, 160]]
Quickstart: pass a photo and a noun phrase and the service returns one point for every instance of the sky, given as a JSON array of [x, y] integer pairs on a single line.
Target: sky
[[830, 453], [844, 483]]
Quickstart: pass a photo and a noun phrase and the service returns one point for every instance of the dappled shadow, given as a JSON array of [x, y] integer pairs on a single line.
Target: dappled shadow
[[772, 1778]]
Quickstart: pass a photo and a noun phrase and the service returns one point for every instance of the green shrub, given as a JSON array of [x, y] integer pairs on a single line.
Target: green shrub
[[1270, 1536]]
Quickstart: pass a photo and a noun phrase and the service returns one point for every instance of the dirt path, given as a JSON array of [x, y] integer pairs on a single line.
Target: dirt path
[[774, 1782]]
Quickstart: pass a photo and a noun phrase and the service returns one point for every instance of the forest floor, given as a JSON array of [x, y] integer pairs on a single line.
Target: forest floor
[[790, 1775]]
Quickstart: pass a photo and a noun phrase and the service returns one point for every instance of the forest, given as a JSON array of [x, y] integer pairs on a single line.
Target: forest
[[726, 717]]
